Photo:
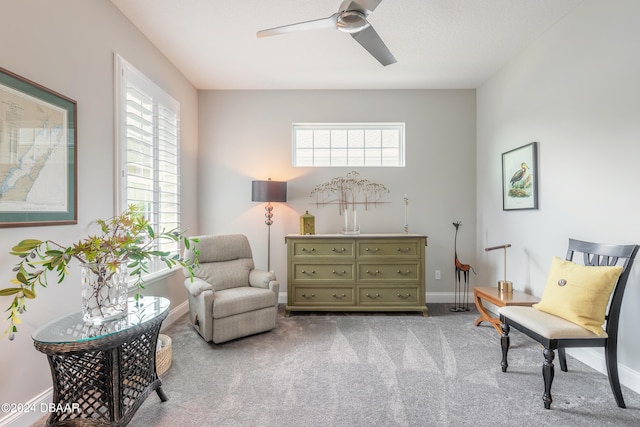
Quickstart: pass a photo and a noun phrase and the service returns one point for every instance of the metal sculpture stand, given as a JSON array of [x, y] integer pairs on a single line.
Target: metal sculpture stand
[[464, 269]]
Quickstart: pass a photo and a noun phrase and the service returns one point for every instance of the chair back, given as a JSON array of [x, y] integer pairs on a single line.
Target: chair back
[[225, 260], [597, 254]]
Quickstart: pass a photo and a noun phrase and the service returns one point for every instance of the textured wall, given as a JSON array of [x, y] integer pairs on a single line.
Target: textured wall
[[576, 92], [246, 135], [68, 46]]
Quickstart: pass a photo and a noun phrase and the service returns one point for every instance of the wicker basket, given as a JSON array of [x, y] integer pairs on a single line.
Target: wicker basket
[[163, 356]]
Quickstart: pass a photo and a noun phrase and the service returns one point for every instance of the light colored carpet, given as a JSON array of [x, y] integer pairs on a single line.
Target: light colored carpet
[[375, 370]]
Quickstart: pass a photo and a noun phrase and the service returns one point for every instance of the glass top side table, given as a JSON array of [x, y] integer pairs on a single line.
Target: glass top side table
[[103, 373]]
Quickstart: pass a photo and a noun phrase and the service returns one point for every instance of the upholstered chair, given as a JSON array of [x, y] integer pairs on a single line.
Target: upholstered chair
[[228, 297]]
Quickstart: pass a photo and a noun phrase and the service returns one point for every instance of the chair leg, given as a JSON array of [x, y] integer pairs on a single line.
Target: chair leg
[[563, 359], [504, 341], [547, 374], [611, 359]]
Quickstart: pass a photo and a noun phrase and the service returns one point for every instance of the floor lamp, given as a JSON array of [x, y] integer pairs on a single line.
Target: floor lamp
[[268, 191]]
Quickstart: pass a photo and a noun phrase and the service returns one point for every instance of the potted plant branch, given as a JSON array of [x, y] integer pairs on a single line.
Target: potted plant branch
[[126, 244]]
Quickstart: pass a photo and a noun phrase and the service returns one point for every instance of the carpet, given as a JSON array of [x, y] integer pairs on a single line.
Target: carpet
[[374, 370]]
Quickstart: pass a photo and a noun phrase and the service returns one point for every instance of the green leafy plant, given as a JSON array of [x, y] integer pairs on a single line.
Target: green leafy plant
[[126, 238]]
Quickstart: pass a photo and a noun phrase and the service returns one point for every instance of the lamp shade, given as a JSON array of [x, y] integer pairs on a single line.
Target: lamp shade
[[268, 191]]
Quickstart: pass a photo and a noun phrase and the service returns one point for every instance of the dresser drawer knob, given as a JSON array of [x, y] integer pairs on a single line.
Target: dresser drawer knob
[[341, 250], [305, 272], [375, 250], [373, 273], [308, 297], [339, 296], [405, 250], [338, 273], [404, 296], [404, 273], [373, 296], [308, 250]]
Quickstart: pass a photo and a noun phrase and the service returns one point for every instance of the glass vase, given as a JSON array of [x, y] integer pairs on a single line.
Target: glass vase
[[351, 225], [104, 292]]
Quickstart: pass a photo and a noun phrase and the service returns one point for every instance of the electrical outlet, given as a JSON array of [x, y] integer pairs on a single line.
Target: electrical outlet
[[438, 275]]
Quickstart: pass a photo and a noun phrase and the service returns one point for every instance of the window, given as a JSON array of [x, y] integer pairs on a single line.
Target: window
[[348, 144], [148, 152]]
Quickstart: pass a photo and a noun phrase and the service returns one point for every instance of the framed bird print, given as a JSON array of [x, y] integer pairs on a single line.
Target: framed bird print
[[520, 178]]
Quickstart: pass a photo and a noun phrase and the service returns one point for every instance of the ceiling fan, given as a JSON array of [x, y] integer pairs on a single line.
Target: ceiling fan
[[351, 18]]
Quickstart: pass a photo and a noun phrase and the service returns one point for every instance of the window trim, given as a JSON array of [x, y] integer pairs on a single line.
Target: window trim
[[124, 71], [400, 126]]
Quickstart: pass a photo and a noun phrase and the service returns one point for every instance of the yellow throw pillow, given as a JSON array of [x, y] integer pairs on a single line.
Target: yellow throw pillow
[[578, 293]]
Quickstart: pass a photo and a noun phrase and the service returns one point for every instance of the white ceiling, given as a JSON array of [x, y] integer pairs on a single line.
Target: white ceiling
[[439, 44]]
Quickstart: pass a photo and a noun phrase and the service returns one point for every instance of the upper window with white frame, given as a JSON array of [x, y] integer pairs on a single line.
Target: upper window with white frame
[[148, 153], [348, 144]]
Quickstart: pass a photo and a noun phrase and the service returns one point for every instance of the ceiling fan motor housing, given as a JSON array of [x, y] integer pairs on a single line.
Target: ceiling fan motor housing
[[351, 18], [352, 21]]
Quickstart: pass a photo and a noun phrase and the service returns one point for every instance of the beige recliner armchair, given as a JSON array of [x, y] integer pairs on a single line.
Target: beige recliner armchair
[[228, 297]]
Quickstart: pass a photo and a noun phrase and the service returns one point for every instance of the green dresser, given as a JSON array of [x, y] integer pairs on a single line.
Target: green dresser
[[366, 272]]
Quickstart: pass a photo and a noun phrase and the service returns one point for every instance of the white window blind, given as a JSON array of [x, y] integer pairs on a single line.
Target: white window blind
[[148, 151], [348, 144]]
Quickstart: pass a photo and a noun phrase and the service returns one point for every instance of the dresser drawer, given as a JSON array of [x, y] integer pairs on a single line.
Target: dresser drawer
[[371, 248], [321, 295], [314, 247], [322, 272], [396, 295], [389, 272]]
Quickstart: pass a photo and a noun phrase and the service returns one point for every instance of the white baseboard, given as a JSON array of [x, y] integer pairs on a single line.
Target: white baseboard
[[595, 359], [175, 314], [41, 402], [33, 415], [447, 297]]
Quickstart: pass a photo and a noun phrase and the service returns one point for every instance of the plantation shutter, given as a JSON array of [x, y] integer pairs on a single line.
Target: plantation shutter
[[149, 154]]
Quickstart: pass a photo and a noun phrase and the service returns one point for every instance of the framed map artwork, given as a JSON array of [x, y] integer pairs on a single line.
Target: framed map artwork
[[38, 158]]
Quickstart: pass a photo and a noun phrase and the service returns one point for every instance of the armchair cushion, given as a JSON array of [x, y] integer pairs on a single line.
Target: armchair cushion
[[578, 293], [241, 300]]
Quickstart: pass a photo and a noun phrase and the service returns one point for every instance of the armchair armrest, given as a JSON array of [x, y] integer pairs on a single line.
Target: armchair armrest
[[201, 295], [261, 278], [197, 286], [274, 285]]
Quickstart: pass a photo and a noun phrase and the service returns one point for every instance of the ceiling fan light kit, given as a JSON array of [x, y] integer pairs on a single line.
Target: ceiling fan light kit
[[352, 19]]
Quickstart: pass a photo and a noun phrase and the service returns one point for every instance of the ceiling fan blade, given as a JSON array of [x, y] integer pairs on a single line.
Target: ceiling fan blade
[[364, 6], [316, 24], [371, 41]]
